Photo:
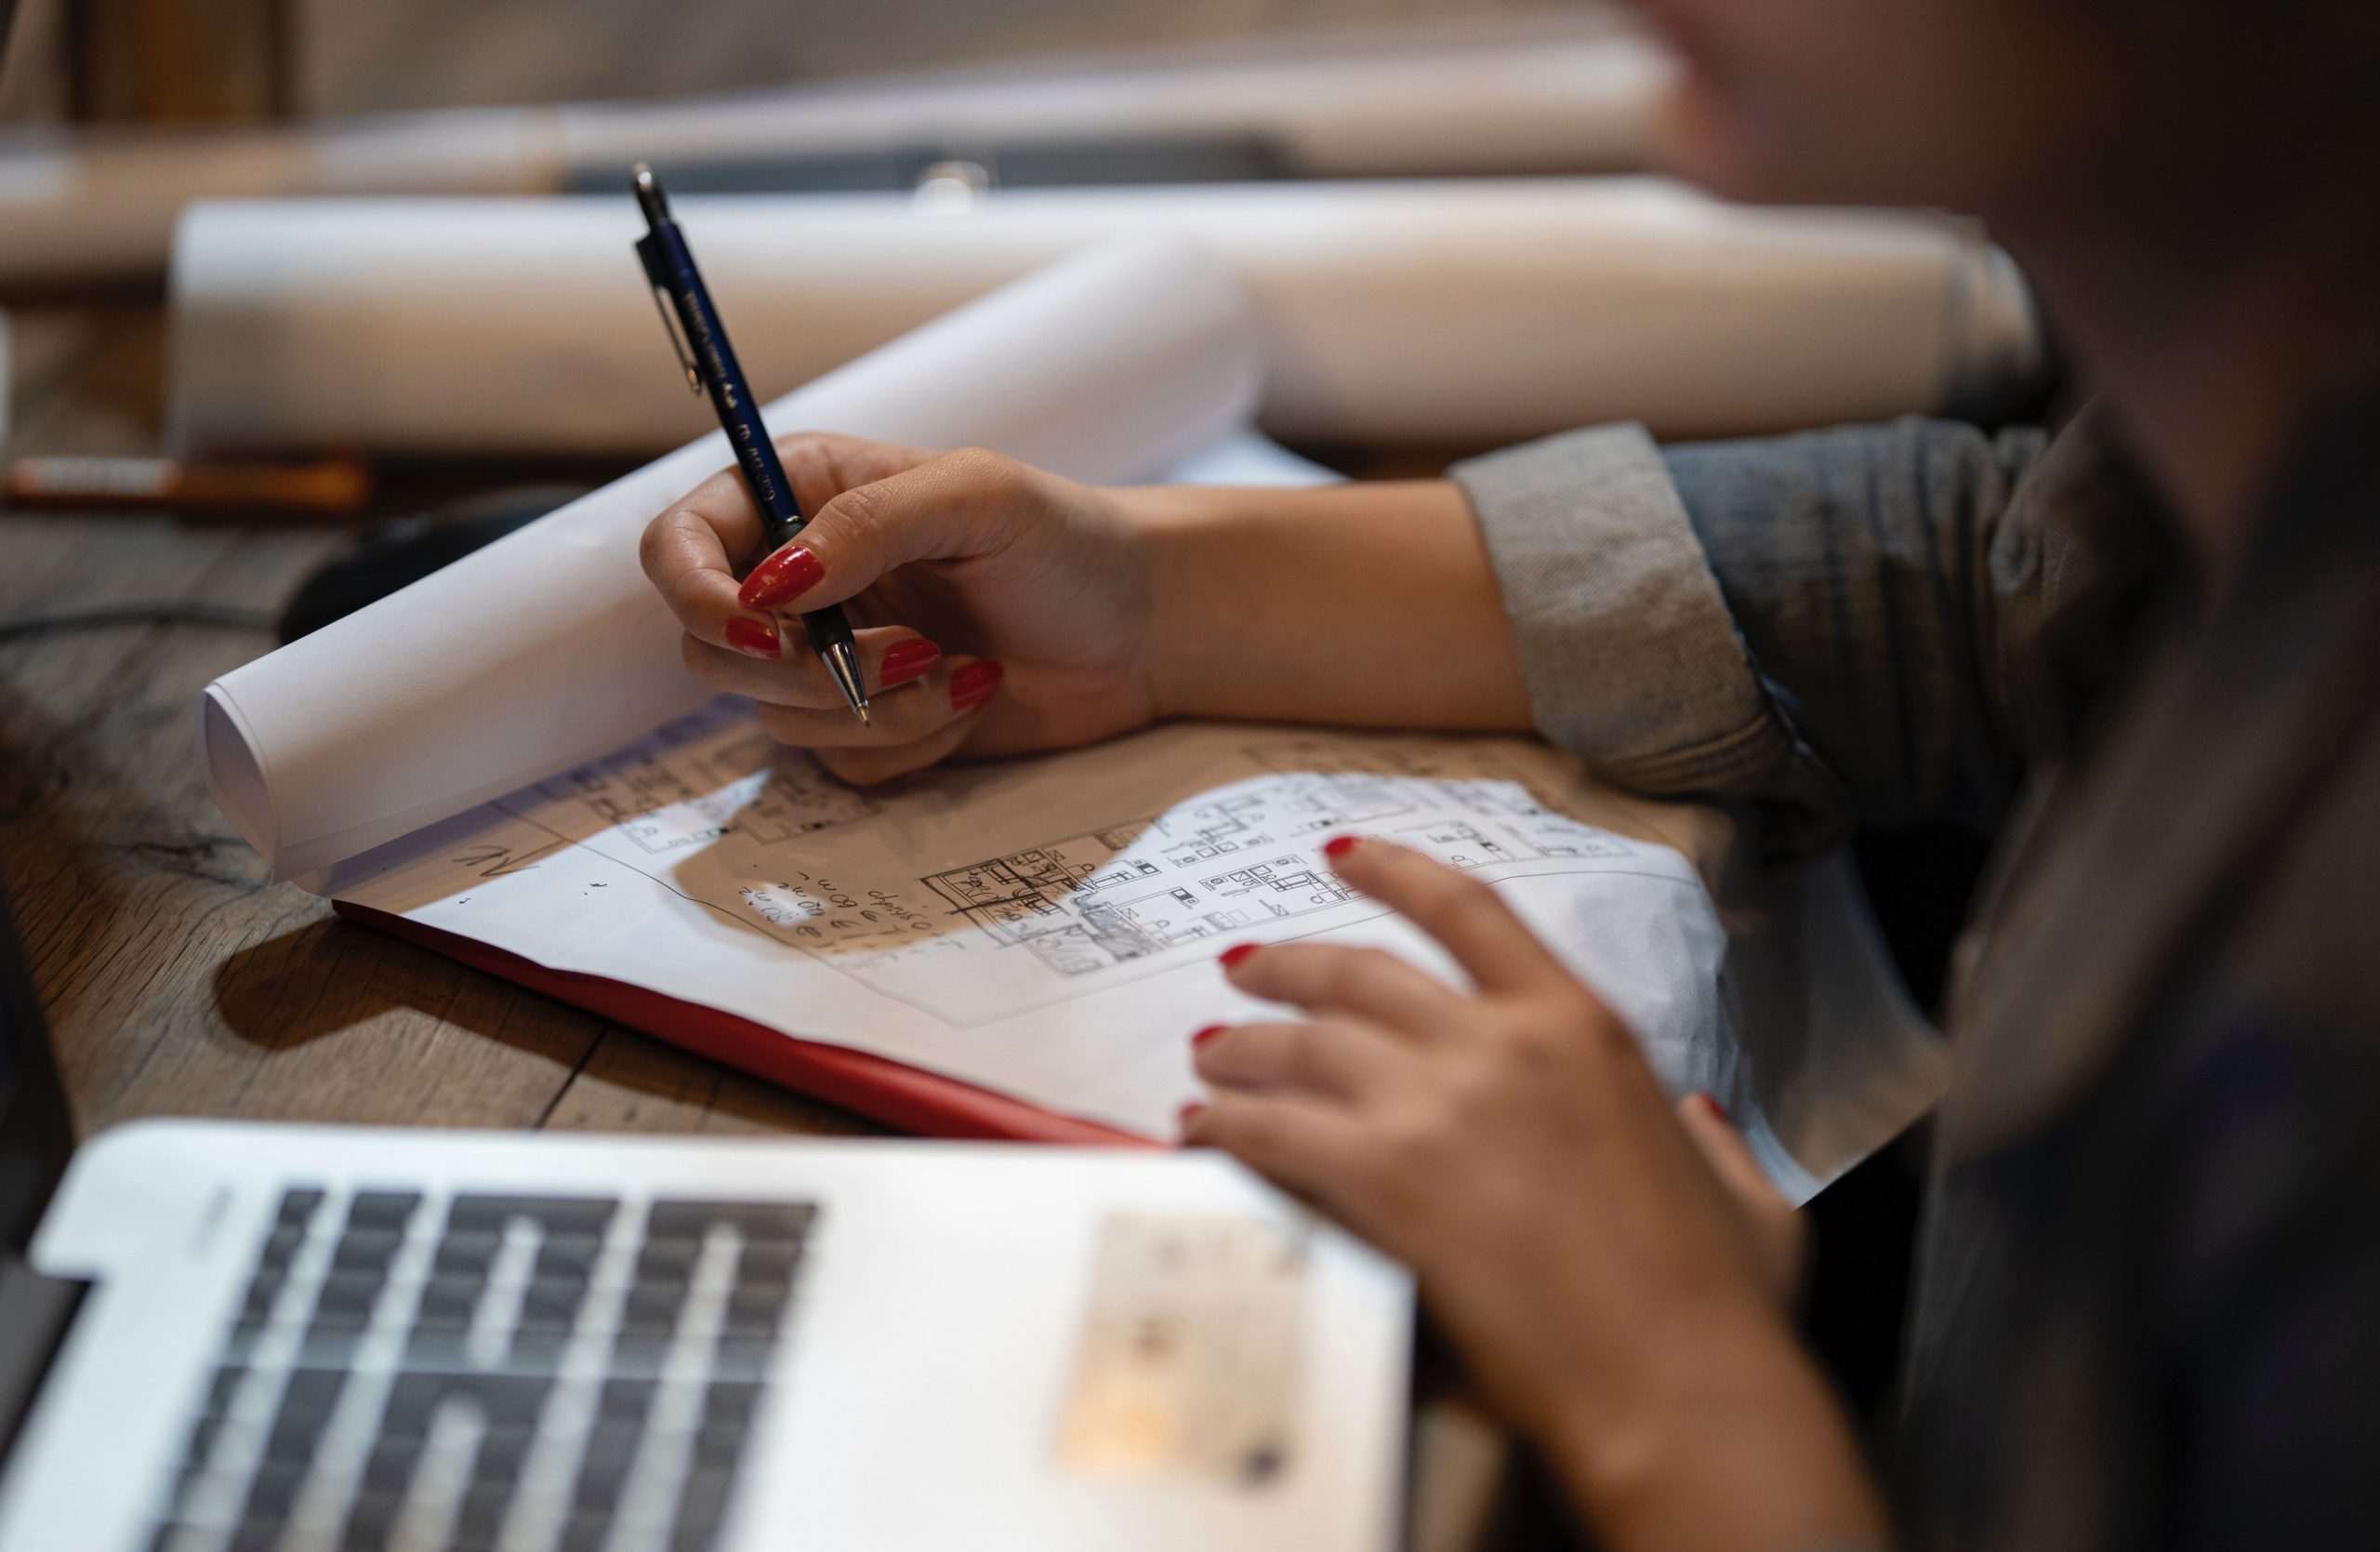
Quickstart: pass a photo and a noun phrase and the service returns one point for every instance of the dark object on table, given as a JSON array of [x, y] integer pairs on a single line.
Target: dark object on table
[[400, 552]]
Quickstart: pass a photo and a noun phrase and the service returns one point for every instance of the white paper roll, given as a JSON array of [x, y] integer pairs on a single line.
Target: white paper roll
[[549, 648], [1564, 92], [1446, 313]]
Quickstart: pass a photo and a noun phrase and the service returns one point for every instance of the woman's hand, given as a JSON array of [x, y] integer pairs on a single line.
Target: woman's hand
[[996, 608], [1614, 1279], [1000, 609]]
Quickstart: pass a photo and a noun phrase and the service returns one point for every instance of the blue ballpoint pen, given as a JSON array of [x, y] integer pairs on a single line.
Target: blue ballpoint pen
[[710, 364]]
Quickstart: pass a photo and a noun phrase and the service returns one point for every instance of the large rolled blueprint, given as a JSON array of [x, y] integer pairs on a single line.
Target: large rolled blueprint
[[1557, 93], [1446, 313], [550, 648]]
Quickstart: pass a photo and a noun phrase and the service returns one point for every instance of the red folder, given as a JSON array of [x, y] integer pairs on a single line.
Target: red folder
[[899, 1095]]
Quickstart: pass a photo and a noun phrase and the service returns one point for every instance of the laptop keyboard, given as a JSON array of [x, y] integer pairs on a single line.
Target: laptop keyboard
[[512, 1373]]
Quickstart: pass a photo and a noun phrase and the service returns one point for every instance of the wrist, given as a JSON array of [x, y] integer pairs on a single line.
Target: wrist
[[1733, 1444], [1176, 528]]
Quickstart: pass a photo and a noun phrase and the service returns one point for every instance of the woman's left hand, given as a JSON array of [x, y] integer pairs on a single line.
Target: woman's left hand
[[1614, 1272]]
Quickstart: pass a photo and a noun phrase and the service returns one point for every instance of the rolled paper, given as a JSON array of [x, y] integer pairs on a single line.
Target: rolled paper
[[1458, 315], [1520, 94], [550, 648]]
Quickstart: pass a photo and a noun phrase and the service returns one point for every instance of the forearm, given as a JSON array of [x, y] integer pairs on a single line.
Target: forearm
[[1735, 1446], [1367, 604]]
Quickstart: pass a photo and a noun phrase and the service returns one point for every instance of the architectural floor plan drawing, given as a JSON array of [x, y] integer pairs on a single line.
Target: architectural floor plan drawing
[[1219, 839], [1208, 869], [1047, 925]]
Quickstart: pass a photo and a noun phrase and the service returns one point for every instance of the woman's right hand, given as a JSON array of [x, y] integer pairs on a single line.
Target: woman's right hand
[[996, 608]]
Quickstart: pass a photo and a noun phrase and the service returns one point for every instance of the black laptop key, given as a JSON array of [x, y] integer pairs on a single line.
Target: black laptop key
[[504, 1401], [552, 1302], [220, 1389], [568, 1255], [382, 1209], [586, 1533], [479, 1515], [351, 1293], [667, 1259], [272, 1491], [638, 1356], [390, 1466], [652, 1311], [774, 1261], [330, 1344], [470, 1251], [761, 1222], [369, 1520], [305, 1409], [743, 1358], [536, 1352], [366, 1252], [280, 1248], [730, 1401], [554, 1215], [448, 1303], [264, 1291], [701, 1502], [297, 1207], [717, 1445], [626, 1400], [502, 1451]]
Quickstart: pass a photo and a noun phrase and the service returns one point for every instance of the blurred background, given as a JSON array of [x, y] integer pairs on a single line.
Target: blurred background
[[218, 61]]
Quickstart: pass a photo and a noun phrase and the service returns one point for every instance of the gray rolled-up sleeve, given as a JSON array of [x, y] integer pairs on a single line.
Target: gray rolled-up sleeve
[[1883, 624], [1632, 659]]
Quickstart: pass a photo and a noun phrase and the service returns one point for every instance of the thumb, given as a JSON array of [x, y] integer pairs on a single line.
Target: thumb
[[1773, 1233], [957, 506]]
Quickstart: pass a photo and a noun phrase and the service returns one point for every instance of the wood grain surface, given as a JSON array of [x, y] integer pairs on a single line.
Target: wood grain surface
[[177, 979]]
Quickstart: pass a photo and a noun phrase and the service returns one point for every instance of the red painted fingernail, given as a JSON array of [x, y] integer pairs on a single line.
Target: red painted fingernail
[[1340, 845], [787, 574], [1189, 1114], [905, 660], [1203, 1036], [1709, 1104], [752, 638], [1237, 952], [973, 683]]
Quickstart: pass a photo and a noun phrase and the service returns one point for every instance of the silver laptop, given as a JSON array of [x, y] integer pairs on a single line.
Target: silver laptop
[[230, 1337]]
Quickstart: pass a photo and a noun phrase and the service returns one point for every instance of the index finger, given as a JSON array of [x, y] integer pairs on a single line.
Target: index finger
[[689, 553], [1469, 918], [696, 552]]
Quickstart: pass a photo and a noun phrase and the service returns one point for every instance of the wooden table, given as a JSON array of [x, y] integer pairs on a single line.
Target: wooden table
[[179, 979]]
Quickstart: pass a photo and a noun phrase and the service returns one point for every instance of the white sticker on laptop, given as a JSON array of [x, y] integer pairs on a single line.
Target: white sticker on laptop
[[1187, 1359]]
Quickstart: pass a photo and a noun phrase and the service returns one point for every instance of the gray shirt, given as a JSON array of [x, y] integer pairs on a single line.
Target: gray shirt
[[2148, 1307]]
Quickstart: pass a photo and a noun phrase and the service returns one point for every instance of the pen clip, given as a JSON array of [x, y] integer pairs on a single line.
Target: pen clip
[[677, 341]]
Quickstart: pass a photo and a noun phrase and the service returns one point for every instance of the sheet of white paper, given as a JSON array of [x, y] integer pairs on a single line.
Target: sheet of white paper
[[1411, 312], [1047, 928], [549, 646]]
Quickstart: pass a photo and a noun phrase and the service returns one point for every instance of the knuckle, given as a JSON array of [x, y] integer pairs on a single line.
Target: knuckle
[[864, 510], [982, 469], [653, 541], [1534, 1047]]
